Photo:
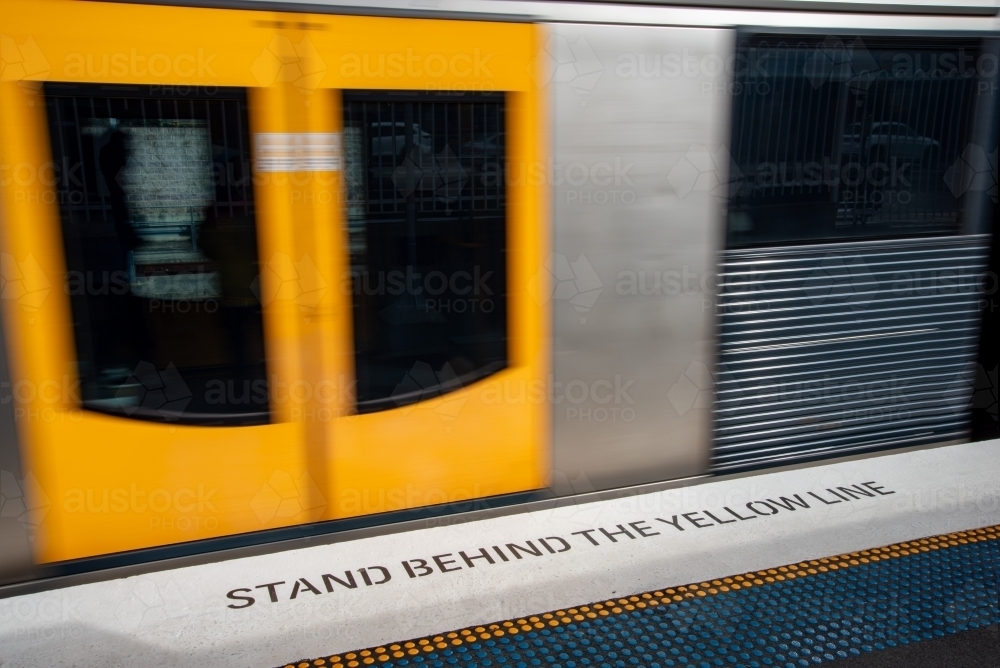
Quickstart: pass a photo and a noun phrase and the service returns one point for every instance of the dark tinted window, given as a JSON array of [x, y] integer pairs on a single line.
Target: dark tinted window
[[848, 137], [427, 225], [158, 227]]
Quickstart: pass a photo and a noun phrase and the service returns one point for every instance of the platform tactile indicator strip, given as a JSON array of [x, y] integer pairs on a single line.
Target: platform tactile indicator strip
[[793, 616]]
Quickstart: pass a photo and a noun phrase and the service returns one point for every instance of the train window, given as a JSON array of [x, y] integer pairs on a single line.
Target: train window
[[427, 235], [840, 138], [156, 201]]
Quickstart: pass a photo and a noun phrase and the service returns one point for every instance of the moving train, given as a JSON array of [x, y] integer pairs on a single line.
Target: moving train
[[281, 269]]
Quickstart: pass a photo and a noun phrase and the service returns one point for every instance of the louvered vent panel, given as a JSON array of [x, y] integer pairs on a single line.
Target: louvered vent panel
[[839, 348]]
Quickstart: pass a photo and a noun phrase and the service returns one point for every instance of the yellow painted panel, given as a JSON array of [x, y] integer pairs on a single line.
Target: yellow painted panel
[[492, 437], [254, 477], [121, 43], [103, 482]]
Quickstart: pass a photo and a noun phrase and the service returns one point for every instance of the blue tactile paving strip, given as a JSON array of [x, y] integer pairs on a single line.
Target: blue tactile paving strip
[[794, 616]]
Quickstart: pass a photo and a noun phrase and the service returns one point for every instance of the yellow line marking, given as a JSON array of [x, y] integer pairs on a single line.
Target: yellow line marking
[[650, 599]]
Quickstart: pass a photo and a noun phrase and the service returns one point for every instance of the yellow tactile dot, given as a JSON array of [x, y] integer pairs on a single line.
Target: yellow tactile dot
[[667, 596]]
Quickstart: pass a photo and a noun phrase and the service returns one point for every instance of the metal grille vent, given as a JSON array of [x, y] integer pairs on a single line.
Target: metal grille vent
[[838, 348]]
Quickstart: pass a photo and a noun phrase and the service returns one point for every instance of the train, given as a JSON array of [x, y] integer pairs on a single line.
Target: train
[[279, 269]]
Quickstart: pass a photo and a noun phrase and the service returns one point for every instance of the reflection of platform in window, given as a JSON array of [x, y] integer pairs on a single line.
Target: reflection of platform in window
[[427, 228], [168, 184]]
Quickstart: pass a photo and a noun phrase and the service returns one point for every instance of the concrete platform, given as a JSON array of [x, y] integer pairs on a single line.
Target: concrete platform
[[271, 609]]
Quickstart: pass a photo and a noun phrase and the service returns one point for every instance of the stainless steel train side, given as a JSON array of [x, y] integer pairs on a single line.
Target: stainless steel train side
[[813, 345], [639, 208]]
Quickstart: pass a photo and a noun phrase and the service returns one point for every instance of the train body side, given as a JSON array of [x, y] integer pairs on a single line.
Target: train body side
[[594, 218]]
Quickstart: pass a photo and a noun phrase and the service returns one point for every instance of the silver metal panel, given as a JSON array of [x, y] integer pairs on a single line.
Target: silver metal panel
[[640, 127], [15, 521], [840, 348]]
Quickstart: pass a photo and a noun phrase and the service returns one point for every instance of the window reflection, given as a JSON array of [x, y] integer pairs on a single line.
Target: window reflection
[[852, 137], [159, 232], [427, 235]]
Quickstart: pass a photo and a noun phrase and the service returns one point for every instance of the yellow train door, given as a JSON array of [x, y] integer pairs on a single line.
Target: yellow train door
[[200, 345], [438, 318]]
